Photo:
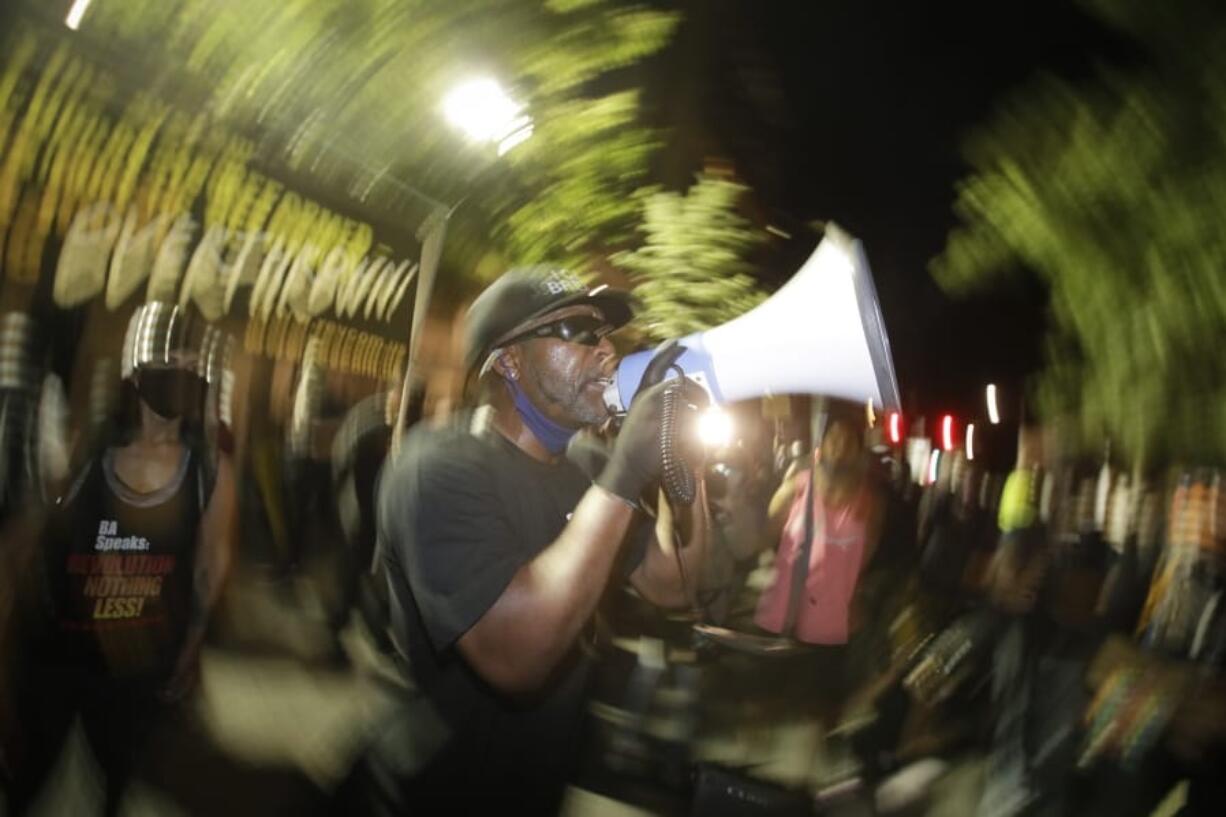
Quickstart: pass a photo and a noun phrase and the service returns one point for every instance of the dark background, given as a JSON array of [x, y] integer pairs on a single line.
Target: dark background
[[856, 112]]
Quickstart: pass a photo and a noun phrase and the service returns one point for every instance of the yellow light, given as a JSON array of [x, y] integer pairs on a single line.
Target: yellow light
[[73, 20], [993, 414], [970, 441], [715, 428]]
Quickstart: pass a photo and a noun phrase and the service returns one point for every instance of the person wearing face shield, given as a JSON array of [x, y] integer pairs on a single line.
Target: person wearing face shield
[[135, 555]]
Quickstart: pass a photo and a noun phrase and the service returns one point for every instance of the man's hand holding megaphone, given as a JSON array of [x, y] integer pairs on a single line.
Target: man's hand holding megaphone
[[657, 439]]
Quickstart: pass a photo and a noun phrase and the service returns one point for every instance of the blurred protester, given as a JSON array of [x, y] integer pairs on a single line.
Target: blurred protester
[[1016, 572], [499, 549], [1158, 713], [1153, 721], [739, 485], [136, 554], [317, 551], [1044, 582], [789, 458], [1123, 590], [265, 523], [946, 529], [1013, 580], [359, 448], [19, 411], [830, 517]]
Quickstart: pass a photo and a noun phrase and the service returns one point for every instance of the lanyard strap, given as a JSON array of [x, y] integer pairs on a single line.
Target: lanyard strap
[[800, 568]]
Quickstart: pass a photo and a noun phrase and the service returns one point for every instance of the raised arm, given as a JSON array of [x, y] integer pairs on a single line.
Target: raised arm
[[523, 626], [781, 503], [519, 640]]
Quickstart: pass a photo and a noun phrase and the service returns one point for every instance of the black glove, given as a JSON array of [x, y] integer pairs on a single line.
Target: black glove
[[637, 457]]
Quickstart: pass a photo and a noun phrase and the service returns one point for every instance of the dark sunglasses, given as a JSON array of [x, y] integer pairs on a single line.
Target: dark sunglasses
[[585, 329]]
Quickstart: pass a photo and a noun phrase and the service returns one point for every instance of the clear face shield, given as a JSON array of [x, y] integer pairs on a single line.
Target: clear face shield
[[162, 359]]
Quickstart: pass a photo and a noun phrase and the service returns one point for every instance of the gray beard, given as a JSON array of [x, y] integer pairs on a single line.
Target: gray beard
[[569, 397]]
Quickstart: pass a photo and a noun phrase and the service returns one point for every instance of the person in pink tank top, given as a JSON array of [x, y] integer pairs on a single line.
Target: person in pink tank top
[[812, 595]]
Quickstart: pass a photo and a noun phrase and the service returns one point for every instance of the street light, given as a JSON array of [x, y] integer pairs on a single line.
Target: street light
[[993, 413], [483, 111], [73, 20]]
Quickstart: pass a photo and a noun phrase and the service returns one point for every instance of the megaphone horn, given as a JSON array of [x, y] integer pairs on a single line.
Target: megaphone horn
[[821, 333]]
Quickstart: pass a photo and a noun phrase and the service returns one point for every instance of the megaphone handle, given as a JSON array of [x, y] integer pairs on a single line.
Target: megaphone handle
[[661, 362]]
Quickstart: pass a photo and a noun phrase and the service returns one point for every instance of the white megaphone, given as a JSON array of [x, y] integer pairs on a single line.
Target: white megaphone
[[821, 333]]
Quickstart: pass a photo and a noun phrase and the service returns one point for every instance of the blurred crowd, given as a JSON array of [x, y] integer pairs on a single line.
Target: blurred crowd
[[1058, 623], [1058, 626]]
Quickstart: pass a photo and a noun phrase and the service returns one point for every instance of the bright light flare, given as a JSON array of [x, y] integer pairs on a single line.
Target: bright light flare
[[73, 20], [947, 432], [483, 111], [895, 427], [993, 412], [970, 442], [934, 460], [715, 428]]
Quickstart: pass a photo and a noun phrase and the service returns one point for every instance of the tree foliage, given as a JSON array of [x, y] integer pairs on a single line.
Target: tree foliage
[[342, 98], [692, 271], [1113, 192], [347, 93]]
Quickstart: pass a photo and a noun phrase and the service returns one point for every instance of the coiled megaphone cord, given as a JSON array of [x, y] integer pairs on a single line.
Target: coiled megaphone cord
[[677, 476], [677, 479]]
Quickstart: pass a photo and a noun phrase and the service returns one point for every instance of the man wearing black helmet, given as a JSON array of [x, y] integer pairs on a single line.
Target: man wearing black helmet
[[499, 548]]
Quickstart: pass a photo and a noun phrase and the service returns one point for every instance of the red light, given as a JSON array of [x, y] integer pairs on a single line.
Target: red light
[[895, 427], [947, 432]]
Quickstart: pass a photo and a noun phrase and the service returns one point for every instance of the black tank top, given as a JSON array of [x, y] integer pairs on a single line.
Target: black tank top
[[120, 570]]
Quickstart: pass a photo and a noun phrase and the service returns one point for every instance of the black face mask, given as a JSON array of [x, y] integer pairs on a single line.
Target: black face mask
[[170, 392]]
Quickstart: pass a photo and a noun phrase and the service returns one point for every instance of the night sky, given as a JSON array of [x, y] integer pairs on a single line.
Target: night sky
[[856, 112]]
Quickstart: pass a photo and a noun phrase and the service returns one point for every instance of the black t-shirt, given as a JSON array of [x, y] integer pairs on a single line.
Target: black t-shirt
[[119, 565], [460, 511]]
